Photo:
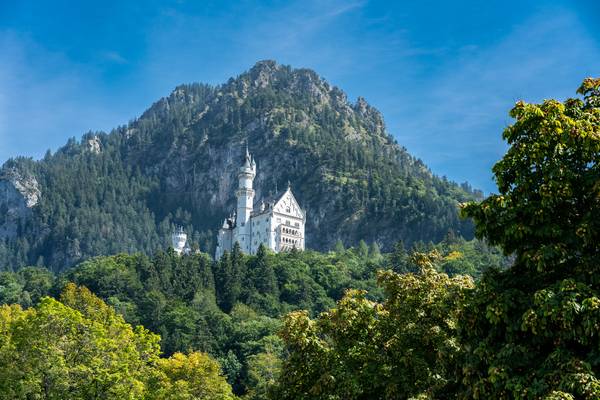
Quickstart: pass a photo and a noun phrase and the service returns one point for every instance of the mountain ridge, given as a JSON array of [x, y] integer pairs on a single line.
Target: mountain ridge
[[177, 163]]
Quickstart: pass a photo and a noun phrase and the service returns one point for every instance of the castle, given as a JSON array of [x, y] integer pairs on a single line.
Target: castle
[[277, 221]]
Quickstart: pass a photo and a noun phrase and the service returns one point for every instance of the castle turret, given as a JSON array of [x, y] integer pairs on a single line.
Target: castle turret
[[245, 199], [179, 239]]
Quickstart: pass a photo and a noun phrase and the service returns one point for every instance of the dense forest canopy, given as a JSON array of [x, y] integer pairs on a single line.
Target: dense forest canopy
[[176, 164], [231, 309]]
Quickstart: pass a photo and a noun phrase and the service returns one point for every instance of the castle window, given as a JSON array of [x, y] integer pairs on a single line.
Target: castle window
[[297, 224]]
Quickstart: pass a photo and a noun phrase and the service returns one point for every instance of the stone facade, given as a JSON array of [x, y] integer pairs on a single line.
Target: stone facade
[[276, 221]]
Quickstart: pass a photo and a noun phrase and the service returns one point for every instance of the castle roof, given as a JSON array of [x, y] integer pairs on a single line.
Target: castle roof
[[248, 161], [269, 201]]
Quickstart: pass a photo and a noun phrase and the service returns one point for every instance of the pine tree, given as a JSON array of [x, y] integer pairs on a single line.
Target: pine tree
[[399, 258], [363, 249], [374, 251], [265, 280], [339, 247]]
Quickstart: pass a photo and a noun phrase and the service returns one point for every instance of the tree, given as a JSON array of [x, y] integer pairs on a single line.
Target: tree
[[532, 331], [63, 352], [402, 348], [188, 377], [374, 252], [230, 277], [265, 280], [79, 348], [399, 258], [263, 371], [363, 249], [37, 282]]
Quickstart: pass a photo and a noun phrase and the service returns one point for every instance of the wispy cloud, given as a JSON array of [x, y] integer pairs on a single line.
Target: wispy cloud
[[296, 25], [342, 8], [113, 56]]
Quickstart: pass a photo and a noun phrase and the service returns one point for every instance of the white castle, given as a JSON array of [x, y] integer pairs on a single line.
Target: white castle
[[277, 221]]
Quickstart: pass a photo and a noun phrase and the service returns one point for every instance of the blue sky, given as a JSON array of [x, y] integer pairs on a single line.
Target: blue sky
[[444, 74]]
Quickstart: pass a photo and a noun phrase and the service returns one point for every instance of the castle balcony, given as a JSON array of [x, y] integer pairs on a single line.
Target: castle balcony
[[288, 230], [289, 237]]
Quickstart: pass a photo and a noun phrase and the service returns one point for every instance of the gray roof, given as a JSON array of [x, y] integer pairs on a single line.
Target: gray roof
[[269, 201]]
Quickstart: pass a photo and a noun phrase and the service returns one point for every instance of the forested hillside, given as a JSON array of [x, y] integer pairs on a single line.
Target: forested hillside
[[231, 309], [176, 164]]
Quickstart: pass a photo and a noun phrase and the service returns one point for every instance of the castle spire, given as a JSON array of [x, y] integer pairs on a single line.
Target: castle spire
[[245, 200]]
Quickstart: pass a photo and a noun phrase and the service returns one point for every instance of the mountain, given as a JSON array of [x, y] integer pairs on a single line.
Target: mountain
[[125, 190]]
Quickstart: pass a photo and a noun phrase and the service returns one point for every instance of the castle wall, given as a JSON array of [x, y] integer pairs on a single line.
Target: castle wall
[[261, 232], [224, 242]]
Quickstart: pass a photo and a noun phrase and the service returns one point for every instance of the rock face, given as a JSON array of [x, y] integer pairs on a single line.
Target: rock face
[[177, 165], [94, 145], [19, 193]]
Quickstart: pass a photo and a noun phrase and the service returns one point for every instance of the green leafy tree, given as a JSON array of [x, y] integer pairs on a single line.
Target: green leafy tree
[[402, 348], [532, 330], [87, 352], [188, 377], [339, 247], [263, 372], [398, 258], [79, 348]]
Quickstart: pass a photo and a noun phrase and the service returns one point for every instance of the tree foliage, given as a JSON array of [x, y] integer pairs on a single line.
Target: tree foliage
[[401, 348], [80, 348], [532, 330], [188, 377], [196, 304]]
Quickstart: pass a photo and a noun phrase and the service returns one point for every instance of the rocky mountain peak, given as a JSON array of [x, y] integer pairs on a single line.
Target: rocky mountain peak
[[263, 73]]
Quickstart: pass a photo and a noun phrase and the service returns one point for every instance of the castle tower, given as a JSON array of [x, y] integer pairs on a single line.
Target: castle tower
[[179, 239], [245, 200]]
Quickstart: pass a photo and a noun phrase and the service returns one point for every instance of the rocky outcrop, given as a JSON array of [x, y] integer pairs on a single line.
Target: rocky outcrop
[[94, 145], [19, 193]]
